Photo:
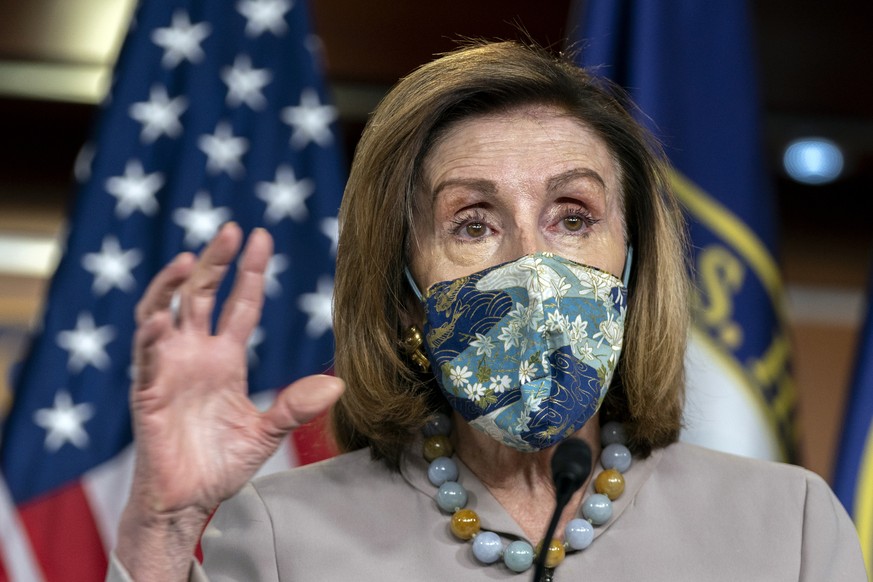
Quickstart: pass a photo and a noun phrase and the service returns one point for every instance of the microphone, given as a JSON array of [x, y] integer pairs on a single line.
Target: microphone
[[571, 465]]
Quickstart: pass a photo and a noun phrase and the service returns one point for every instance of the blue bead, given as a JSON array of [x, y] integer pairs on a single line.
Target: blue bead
[[487, 547], [616, 457], [518, 556], [597, 509], [451, 497], [442, 469], [439, 423], [613, 433], [578, 534]]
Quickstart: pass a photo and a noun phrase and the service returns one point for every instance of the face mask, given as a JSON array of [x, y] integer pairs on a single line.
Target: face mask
[[525, 351]]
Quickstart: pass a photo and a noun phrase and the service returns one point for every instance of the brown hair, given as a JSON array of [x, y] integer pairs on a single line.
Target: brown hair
[[386, 400]]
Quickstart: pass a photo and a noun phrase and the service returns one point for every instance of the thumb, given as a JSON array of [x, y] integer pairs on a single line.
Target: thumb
[[302, 401]]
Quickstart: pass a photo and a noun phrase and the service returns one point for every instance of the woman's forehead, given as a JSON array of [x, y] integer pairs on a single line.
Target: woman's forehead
[[541, 140]]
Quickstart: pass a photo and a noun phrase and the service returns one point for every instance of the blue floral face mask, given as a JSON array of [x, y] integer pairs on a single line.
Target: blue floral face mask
[[525, 351]]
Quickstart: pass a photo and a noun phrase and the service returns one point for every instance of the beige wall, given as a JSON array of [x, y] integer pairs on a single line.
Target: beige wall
[[823, 359]]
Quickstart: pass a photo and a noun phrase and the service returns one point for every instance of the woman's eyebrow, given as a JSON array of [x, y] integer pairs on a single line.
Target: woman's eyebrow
[[489, 188], [480, 185], [564, 178]]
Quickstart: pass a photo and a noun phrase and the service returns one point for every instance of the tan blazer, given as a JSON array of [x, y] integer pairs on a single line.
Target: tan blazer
[[687, 514]]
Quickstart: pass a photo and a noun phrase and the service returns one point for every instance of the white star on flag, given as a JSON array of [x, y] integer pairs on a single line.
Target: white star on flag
[[314, 45], [223, 150], [82, 164], [135, 190], [252, 344], [330, 228], [159, 115], [86, 344], [262, 15], [285, 196], [181, 41], [112, 267], [277, 264], [244, 83], [310, 120], [319, 307], [201, 220], [63, 422]]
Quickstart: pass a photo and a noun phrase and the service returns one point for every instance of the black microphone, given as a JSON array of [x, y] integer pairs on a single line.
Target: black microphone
[[571, 465]]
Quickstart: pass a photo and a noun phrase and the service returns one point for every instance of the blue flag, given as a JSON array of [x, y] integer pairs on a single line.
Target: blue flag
[[217, 112], [853, 478], [690, 67]]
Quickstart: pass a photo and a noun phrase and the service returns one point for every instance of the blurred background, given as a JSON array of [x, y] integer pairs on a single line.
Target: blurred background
[[56, 58]]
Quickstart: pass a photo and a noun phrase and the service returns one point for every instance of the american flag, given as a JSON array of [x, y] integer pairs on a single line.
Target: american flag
[[217, 112]]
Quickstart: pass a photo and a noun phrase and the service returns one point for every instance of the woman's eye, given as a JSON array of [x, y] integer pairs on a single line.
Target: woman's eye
[[573, 223], [471, 225], [573, 219], [475, 229]]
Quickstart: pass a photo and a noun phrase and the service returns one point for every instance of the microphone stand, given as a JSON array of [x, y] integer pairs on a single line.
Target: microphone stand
[[571, 466]]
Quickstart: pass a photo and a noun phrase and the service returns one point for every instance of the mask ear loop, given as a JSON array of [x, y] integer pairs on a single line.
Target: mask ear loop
[[412, 284], [625, 277]]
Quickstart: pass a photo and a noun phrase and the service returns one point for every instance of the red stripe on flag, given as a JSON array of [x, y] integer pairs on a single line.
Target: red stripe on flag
[[313, 441], [3, 576], [64, 536]]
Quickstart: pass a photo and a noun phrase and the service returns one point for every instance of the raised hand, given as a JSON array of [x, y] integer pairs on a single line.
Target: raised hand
[[198, 437]]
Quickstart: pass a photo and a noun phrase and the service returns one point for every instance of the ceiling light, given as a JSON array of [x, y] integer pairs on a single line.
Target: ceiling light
[[813, 160]]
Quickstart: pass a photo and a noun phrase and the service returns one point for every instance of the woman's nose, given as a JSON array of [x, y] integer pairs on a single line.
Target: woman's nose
[[526, 240]]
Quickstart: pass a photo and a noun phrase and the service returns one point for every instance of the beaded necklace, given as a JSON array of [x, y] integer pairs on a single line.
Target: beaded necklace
[[519, 555]]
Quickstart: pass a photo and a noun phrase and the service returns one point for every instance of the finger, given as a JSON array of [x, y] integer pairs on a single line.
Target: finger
[[159, 294], [147, 335], [242, 310], [197, 298], [301, 402]]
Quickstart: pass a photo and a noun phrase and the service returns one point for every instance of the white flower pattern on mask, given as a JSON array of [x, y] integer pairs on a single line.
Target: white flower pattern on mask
[[596, 286], [510, 335], [541, 280], [561, 288], [475, 391], [529, 316], [526, 372], [577, 333], [484, 345], [533, 403], [499, 384], [523, 422], [459, 375], [555, 324], [612, 333], [584, 351]]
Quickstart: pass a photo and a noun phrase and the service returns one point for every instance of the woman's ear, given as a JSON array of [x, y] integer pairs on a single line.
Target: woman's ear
[[412, 312]]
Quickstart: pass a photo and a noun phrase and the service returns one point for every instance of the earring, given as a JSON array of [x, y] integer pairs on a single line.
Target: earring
[[412, 342]]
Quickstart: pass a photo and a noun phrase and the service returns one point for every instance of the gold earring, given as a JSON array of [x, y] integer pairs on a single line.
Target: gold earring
[[412, 342]]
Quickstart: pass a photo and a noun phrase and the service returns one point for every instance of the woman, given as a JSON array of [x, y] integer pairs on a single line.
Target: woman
[[504, 202]]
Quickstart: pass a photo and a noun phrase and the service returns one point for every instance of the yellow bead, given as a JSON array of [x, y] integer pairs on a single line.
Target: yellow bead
[[437, 446], [555, 554], [610, 483], [465, 524]]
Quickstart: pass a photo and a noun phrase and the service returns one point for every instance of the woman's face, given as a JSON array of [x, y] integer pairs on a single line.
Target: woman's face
[[501, 186]]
